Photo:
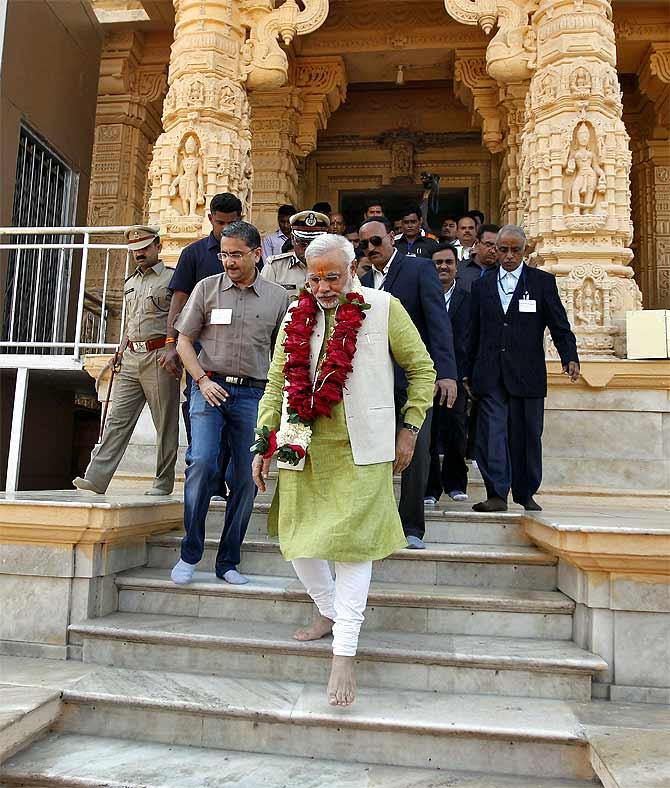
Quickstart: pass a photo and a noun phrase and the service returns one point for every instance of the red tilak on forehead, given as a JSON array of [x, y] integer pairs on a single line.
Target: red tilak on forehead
[[321, 273]]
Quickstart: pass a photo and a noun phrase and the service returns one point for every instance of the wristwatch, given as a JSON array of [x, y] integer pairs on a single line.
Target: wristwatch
[[411, 428]]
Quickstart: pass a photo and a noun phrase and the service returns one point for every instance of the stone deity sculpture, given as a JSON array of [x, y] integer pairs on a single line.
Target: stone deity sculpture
[[189, 184], [589, 178]]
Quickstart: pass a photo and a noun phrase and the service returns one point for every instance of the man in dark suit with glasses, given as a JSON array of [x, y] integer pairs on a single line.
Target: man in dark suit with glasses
[[414, 282]]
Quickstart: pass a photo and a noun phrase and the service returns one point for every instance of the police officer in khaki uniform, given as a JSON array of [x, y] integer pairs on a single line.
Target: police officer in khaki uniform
[[141, 377], [289, 269]]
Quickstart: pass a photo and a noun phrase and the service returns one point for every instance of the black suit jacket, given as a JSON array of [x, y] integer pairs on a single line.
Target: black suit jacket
[[414, 282], [511, 346], [459, 316]]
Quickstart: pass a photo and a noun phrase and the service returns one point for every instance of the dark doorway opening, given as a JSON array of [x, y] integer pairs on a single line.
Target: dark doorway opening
[[395, 200]]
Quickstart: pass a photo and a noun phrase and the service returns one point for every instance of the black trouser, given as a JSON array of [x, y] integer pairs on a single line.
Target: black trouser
[[219, 485], [448, 431], [415, 476], [509, 443]]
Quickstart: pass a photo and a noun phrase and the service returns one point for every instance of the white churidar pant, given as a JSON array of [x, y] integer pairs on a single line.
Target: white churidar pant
[[343, 599]]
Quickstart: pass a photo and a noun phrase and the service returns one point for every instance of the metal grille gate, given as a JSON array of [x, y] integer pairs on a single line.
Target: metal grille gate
[[37, 280]]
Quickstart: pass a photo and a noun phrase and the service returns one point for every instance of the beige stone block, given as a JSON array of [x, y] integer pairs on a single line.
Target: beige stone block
[[589, 588], [649, 593], [36, 559], [617, 402], [34, 609], [599, 435], [618, 475], [106, 559], [642, 649]]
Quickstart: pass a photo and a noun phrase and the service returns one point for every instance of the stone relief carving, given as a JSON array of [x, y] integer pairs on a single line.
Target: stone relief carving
[[263, 63], [402, 159], [581, 81], [188, 184], [586, 178], [512, 53], [588, 304]]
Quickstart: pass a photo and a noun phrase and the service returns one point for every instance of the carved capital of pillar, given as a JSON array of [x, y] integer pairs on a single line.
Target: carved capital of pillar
[[479, 93], [654, 79], [321, 83], [264, 63], [511, 55]]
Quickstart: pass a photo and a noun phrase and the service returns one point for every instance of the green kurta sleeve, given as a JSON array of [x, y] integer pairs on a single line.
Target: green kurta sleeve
[[269, 408], [410, 353]]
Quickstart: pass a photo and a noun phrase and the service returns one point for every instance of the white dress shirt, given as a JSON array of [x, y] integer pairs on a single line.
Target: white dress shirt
[[507, 282], [378, 276], [272, 244], [448, 294]]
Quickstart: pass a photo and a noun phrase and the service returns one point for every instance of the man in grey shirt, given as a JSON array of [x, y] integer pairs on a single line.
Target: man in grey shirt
[[235, 316]]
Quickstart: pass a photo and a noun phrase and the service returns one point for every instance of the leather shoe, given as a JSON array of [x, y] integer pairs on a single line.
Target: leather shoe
[[531, 505], [491, 505]]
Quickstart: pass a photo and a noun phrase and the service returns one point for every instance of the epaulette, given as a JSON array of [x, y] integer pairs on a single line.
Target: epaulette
[[280, 256], [130, 277]]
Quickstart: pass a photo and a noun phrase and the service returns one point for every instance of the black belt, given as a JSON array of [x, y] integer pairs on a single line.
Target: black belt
[[253, 383]]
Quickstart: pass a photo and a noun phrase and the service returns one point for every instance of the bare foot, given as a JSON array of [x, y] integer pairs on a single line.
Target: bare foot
[[342, 684], [319, 628]]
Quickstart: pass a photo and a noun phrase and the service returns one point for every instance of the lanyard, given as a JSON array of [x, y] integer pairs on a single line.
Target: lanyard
[[511, 292]]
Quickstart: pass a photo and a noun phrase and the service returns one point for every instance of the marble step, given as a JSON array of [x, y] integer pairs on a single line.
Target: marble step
[[439, 609], [511, 736], [24, 713], [449, 526], [509, 566], [439, 663], [81, 761]]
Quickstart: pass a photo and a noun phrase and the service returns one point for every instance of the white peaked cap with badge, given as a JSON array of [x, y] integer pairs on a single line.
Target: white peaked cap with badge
[[140, 236]]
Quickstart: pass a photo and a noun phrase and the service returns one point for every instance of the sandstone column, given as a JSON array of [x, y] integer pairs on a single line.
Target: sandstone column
[[651, 180], [574, 161], [205, 146], [222, 48]]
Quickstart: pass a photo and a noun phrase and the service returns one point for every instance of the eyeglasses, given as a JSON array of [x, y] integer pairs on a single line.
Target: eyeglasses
[[444, 263], [234, 256], [375, 240], [515, 250], [315, 280]]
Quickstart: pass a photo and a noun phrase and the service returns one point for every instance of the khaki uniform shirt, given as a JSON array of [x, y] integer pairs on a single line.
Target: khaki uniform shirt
[[285, 270], [147, 303], [236, 326]]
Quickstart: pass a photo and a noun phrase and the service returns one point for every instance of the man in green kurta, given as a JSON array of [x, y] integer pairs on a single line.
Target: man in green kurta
[[337, 503]]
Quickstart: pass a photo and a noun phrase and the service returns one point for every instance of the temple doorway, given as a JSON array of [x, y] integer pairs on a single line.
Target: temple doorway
[[395, 200]]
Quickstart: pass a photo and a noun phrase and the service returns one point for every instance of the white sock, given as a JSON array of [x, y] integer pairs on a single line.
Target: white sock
[[182, 573]]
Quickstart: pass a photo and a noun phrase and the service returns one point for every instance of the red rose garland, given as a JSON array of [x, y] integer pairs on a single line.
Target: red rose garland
[[306, 401], [302, 400]]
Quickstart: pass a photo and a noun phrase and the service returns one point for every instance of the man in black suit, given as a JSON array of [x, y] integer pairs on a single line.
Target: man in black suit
[[512, 305], [449, 426], [414, 281]]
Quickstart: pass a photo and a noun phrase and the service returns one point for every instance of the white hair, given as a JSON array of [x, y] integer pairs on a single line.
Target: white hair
[[512, 229], [327, 243]]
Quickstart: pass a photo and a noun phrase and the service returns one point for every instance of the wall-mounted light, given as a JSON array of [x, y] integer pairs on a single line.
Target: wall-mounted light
[[400, 75]]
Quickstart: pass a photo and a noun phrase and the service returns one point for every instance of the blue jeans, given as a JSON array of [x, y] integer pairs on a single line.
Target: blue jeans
[[238, 417]]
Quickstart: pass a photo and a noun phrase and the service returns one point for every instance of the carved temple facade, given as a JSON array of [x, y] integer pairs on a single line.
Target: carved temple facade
[[548, 113]]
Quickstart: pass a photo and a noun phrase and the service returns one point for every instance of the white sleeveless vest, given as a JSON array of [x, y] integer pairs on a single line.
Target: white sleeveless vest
[[369, 405]]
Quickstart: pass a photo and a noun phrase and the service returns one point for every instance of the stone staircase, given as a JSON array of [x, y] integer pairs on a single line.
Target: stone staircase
[[466, 669]]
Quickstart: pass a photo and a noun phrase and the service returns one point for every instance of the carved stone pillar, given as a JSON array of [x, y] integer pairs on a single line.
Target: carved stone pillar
[[221, 49], [285, 124], [205, 146], [651, 179], [130, 92], [577, 162], [513, 102]]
